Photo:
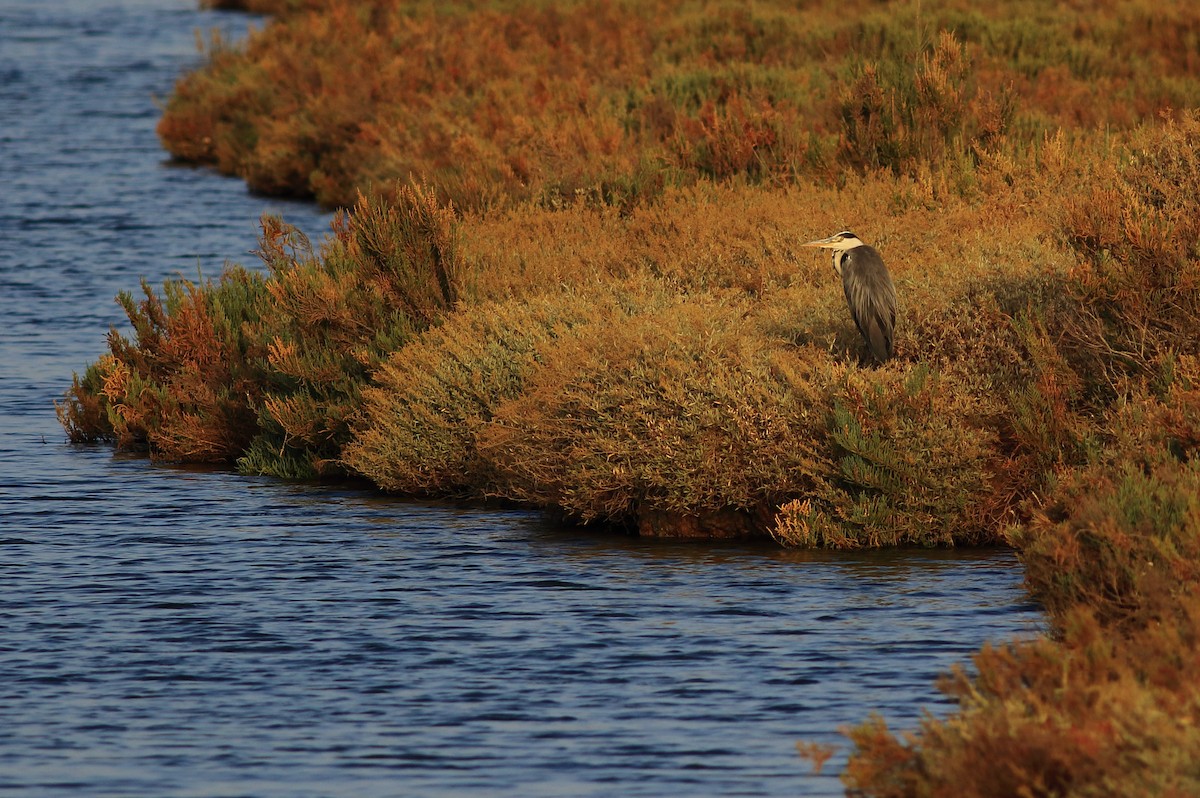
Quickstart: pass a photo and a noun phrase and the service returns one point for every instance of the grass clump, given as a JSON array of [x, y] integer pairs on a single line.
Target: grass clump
[[911, 119], [1138, 235], [914, 460], [389, 272], [660, 408], [268, 370], [180, 384], [433, 397]]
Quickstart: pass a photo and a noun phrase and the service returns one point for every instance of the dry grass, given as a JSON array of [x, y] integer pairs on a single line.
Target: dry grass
[[612, 100]]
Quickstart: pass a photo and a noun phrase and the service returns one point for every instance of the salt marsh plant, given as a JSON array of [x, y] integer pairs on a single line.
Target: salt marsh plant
[[496, 102], [267, 369]]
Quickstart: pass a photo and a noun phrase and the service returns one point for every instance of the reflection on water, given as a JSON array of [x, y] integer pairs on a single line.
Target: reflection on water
[[172, 631]]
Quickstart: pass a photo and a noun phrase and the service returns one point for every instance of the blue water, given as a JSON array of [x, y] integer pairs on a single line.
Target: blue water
[[181, 632]]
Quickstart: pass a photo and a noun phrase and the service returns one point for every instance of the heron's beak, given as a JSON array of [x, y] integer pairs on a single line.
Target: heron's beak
[[823, 243]]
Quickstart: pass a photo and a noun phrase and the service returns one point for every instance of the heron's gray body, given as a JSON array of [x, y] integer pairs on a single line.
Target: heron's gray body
[[870, 292], [871, 296]]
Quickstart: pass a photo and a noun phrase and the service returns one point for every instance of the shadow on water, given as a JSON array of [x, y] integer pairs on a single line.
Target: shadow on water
[[180, 631]]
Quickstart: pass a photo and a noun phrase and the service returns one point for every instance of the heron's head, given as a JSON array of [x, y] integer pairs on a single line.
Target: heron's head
[[839, 242]]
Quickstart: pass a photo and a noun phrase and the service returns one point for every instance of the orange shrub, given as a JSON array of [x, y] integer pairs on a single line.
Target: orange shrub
[[180, 389], [1138, 231], [418, 427], [494, 102], [1088, 714]]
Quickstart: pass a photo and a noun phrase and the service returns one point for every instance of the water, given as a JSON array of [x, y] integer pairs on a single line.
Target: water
[[182, 632]]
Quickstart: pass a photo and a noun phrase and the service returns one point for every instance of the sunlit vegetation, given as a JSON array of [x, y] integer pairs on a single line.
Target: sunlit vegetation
[[569, 276], [493, 102]]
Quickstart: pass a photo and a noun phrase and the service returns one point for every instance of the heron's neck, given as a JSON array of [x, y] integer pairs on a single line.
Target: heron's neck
[[839, 254]]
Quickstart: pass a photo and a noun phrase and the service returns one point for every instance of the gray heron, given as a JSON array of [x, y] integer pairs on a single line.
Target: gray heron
[[869, 289]]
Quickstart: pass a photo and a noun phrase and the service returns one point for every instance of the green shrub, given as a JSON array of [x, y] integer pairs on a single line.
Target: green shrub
[[663, 407], [182, 388], [391, 270], [417, 431]]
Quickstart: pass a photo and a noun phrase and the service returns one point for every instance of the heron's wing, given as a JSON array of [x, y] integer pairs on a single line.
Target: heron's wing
[[871, 296]]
